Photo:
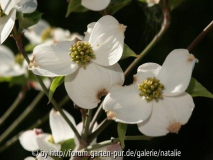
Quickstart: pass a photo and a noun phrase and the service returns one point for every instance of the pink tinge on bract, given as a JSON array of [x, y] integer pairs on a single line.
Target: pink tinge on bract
[[174, 127]]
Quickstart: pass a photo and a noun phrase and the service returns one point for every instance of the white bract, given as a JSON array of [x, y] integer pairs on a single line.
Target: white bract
[[152, 2], [35, 139], [8, 10], [90, 66], [8, 65], [12, 66], [95, 5], [157, 98], [42, 32]]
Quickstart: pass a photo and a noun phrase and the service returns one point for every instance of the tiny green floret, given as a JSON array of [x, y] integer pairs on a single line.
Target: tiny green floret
[[2, 14], [50, 139], [151, 88], [19, 59], [46, 34], [81, 53]]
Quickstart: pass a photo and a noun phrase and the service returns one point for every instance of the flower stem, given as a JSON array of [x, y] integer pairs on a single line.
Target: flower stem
[[21, 117], [113, 141], [96, 117], [38, 123], [164, 27], [99, 129], [15, 104], [56, 106], [87, 123], [200, 37]]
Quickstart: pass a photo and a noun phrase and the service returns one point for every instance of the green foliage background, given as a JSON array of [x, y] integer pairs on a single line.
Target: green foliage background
[[195, 139]]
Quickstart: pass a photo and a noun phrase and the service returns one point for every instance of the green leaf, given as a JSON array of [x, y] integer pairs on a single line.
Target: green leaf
[[68, 144], [75, 6], [55, 83], [195, 89], [121, 128], [128, 52], [29, 47], [27, 20], [116, 5]]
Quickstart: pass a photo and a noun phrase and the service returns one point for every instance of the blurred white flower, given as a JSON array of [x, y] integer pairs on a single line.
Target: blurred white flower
[[8, 65], [157, 98], [35, 139], [43, 33], [90, 66], [8, 10], [12, 66], [152, 2], [95, 5]]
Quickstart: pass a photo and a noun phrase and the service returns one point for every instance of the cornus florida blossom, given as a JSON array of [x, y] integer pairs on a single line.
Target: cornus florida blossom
[[9, 64], [90, 66], [157, 98], [8, 10], [12, 66], [35, 139], [95, 5], [42, 32]]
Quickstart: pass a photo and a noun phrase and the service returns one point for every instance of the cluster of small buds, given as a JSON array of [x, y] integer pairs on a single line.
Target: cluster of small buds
[[1, 12], [19, 59], [46, 34], [151, 88], [50, 139], [81, 53]]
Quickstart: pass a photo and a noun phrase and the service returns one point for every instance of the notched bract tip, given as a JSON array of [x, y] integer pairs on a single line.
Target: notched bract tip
[[122, 27], [110, 115], [174, 127], [191, 58]]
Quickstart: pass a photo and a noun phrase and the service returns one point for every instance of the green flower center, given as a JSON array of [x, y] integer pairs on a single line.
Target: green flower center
[[19, 59], [151, 88], [1, 12], [51, 140], [81, 53], [46, 34]]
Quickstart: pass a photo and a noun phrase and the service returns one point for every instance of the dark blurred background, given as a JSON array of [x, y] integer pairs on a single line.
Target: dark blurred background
[[195, 139]]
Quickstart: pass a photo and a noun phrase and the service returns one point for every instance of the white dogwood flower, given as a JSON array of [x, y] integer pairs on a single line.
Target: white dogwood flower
[[35, 139], [157, 98], [42, 32], [152, 2], [9, 65], [90, 66], [8, 10], [95, 5], [12, 66]]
